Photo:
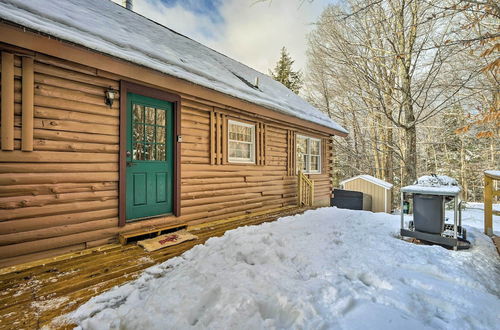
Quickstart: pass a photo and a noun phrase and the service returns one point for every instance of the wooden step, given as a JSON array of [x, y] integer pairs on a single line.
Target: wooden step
[[152, 231]]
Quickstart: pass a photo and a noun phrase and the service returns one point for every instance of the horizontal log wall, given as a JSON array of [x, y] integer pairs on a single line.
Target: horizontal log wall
[[63, 195]]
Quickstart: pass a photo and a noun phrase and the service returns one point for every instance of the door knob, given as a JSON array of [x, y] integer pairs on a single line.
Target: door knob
[[128, 153]]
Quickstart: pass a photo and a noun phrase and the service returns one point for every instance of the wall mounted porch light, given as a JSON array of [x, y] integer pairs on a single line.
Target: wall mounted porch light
[[109, 96]]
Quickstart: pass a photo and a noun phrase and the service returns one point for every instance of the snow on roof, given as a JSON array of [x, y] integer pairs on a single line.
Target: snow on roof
[[444, 190], [493, 173], [106, 27], [434, 185], [371, 179]]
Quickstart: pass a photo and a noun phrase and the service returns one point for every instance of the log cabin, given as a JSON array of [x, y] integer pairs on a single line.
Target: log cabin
[[112, 123]]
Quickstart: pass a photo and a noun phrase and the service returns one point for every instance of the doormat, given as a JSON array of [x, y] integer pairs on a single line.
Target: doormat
[[169, 239]]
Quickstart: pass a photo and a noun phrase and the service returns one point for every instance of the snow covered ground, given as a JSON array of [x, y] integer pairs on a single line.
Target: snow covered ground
[[473, 216], [328, 268]]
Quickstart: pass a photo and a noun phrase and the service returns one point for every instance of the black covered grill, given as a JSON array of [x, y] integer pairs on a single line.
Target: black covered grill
[[428, 213]]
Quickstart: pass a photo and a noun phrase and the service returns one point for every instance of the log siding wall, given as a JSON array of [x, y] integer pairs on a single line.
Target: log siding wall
[[63, 195]]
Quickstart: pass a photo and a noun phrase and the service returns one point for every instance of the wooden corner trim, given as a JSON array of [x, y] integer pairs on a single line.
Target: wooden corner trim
[[27, 98], [7, 105]]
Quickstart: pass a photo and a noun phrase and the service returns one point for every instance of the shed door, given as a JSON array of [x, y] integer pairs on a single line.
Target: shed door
[[150, 157]]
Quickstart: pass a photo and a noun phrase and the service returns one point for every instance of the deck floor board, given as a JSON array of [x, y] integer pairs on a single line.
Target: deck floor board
[[38, 294]]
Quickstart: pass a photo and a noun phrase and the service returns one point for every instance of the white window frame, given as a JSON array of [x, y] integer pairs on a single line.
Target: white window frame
[[250, 160], [308, 153]]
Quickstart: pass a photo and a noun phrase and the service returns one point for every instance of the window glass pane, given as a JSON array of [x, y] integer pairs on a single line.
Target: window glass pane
[[232, 149], [149, 115], [149, 152], [160, 152], [308, 154], [138, 151], [240, 150], [138, 113], [314, 147], [138, 132], [314, 164], [160, 117], [301, 145], [150, 134], [241, 142], [240, 133], [245, 150], [246, 134], [300, 164], [160, 134], [232, 133]]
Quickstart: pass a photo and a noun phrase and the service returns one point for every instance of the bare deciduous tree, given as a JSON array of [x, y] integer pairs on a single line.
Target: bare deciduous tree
[[389, 62]]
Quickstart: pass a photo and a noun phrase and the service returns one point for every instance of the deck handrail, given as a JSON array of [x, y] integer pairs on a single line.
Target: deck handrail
[[305, 194]]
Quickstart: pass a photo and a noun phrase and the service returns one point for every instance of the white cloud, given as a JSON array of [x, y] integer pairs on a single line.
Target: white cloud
[[252, 32]]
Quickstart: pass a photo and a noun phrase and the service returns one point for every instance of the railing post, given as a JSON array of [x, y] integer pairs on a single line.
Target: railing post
[[488, 205], [305, 190], [299, 192], [312, 192]]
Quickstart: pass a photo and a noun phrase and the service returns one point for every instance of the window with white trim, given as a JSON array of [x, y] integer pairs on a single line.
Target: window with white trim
[[241, 142], [308, 154]]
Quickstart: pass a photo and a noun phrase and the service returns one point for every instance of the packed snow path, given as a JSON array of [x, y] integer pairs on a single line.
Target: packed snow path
[[327, 268]]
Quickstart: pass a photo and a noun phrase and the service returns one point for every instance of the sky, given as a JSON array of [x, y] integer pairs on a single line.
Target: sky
[[250, 31]]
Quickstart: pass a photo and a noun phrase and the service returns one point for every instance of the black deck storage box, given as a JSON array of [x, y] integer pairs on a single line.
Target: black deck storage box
[[428, 213], [352, 200]]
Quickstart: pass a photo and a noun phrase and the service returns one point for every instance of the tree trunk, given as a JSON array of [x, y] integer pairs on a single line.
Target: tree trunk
[[463, 176], [410, 161], [389, 155]]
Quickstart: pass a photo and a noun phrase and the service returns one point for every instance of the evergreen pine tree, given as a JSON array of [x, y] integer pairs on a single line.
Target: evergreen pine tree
[[284, 74]]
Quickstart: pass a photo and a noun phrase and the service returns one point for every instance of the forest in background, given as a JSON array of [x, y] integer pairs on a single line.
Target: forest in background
[[415, 82]]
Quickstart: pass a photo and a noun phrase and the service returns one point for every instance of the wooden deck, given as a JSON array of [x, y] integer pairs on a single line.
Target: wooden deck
[[33, 295]]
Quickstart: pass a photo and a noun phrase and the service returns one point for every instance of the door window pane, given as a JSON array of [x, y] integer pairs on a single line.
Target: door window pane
[[150, 134], [138, 151], [149, 115], [138, 132], [149, 152], [160, 152], [138, 113], [160, 117], [160, 134]]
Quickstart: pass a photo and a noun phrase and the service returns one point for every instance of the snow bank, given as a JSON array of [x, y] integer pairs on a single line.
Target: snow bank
[[480, 206], [328, 268], [473, 216], [106, 27]]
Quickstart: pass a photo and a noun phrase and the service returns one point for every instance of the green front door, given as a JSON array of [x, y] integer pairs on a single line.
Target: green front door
[[150, 157]]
